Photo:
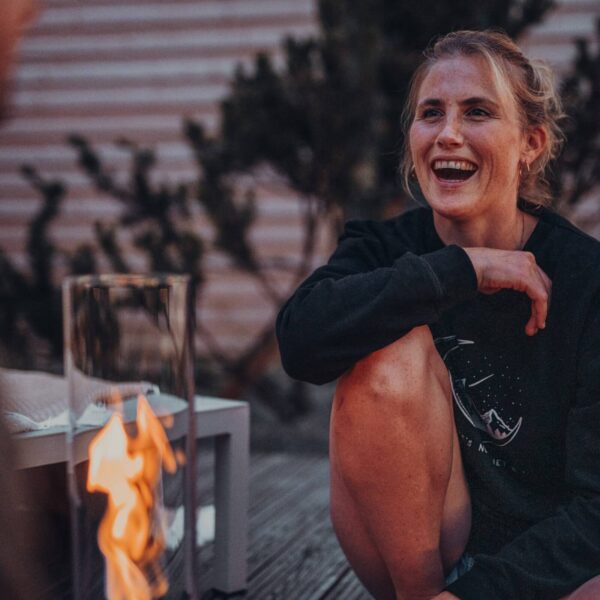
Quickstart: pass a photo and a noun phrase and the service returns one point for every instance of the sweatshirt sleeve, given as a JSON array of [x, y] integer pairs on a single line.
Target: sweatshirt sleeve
[[371, 292], [560, 553]]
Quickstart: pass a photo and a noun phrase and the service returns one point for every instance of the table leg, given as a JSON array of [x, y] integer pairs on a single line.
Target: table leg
[[231, 504]]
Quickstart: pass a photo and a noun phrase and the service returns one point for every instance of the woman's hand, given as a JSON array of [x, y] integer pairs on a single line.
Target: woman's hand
[[514, 270], [445, 596]]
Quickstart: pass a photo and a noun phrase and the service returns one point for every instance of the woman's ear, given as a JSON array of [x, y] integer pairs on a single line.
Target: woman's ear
[[535, 142]]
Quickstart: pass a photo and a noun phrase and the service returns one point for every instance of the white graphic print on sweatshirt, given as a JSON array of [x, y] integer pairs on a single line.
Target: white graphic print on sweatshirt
[[483, 413]]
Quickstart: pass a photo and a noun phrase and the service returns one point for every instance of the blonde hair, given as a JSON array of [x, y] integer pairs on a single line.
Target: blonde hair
[[529, 82]]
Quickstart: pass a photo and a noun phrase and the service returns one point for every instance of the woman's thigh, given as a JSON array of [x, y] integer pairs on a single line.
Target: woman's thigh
[[356, 542], [590, 590], [404, 358], [456, 521]]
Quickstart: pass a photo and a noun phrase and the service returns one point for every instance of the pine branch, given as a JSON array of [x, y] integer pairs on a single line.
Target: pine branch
[[577, 169]]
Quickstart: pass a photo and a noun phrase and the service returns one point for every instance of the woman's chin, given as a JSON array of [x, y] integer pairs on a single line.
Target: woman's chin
[[453, 206]]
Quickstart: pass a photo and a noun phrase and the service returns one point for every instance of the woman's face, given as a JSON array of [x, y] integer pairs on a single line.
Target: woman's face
[[466, 141]]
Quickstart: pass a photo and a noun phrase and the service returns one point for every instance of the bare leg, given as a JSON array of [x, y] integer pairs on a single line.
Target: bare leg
[[400, 505], [590, 590]]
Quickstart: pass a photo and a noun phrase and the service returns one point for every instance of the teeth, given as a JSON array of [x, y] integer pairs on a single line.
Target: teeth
[[460, 165]]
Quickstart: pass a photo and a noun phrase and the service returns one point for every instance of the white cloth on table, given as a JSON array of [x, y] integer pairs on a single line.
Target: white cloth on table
[[32, 400]]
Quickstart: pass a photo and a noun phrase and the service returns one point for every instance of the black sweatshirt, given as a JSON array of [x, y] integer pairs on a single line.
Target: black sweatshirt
[[527, 409]]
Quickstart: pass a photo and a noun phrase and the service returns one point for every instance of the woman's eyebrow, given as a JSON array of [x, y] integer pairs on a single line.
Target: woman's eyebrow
[[479, 100], [430, 102], [466, 102]]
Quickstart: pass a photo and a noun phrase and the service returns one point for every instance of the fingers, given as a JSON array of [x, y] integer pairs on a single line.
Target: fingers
[[547, 282], [539, 292], [537, 320], [532, 326]]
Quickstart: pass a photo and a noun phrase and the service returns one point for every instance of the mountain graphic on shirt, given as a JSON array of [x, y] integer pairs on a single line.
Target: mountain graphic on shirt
[[490, 423], [496, 427]]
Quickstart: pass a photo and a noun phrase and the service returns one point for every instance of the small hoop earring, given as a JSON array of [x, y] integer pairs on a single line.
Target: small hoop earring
[[413, 172], [521, 170]]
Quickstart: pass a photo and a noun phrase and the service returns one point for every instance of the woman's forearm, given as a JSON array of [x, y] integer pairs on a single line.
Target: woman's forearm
[[338, 317]]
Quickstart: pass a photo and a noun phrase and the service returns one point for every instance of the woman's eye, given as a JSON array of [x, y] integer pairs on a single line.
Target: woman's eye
[[430, 113], [478, 112]]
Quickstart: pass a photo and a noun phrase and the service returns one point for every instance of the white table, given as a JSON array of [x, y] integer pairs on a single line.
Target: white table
[[228, 421]]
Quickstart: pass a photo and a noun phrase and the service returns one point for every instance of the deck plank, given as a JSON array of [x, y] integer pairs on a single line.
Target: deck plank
[[293, 553]]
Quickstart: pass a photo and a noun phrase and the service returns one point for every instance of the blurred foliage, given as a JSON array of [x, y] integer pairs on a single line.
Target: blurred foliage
[[30, 303], [327, 120], [577, 170], [155, 214]]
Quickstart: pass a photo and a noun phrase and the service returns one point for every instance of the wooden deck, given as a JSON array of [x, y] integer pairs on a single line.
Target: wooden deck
[[293, 553]]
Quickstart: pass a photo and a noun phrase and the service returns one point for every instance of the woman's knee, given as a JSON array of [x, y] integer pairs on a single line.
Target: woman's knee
[[398, 373], [390, 394], [590, 590]]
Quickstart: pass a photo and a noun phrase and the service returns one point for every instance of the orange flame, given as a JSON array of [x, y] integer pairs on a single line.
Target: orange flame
[[131, 535]]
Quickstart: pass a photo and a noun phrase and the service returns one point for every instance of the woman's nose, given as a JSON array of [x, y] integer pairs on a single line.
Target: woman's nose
[[451, 134]]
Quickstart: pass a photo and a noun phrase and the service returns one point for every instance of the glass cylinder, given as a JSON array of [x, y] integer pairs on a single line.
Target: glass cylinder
[[131, 444]]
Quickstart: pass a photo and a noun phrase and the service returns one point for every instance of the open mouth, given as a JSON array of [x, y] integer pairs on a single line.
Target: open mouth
[[453, 170]]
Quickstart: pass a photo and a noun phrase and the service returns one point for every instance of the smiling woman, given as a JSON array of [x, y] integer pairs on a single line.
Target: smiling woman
[[465, 452], [461, 119], [511, 87]]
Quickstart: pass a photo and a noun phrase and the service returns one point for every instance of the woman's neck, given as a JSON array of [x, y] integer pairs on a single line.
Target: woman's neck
[[510, 232]]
